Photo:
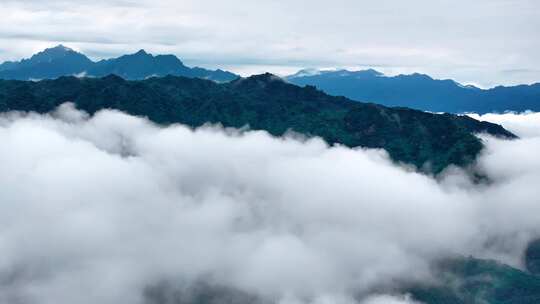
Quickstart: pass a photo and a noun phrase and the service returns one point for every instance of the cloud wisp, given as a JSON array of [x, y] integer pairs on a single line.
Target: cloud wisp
[[103, 209], [525, 124]]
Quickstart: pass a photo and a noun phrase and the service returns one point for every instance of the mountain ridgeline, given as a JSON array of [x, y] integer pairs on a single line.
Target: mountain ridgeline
[[428, 141], [62, 61], [416, 91], [420, 91]]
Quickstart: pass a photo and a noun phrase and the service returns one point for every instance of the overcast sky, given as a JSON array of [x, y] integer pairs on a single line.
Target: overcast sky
[[485, 42]]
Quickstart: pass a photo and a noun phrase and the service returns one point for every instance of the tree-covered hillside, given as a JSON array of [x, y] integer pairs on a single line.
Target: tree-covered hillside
[[265, 102]]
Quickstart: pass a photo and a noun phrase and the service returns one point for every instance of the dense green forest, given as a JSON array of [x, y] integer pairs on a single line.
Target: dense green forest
[[431, 142]]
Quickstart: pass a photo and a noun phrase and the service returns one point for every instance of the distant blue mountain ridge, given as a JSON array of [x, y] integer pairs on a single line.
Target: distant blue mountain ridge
[[417, 91], [420, 91], [63, 61]]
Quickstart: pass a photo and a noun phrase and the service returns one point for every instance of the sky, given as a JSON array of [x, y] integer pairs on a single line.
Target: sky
[[99, 209], [483, 42]]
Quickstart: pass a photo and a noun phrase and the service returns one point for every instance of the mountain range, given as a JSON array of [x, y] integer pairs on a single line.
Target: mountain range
[[63, 61], [420, 91], [428, 141]]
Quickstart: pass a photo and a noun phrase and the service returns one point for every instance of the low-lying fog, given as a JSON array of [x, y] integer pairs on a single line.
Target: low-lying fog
[[100, 209]]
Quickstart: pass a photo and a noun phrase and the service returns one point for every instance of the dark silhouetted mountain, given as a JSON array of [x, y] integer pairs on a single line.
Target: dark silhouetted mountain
[[62, 61], [266, 102], [50, 63], [142, 65], [420, 91]]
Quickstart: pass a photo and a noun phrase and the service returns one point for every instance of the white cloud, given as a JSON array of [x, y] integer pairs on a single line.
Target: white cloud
[[95, 209], [385, 299], [525, 124]]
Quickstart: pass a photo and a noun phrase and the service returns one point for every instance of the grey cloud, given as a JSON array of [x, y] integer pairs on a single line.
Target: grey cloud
[[99, 209], [385, 299], [525, 124], [470, 42]]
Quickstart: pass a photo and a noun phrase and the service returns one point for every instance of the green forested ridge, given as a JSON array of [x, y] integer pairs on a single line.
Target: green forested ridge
[[265, 102], [474, 281]]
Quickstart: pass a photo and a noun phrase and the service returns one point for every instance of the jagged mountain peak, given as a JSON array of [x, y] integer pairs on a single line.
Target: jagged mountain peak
[[141, 52], [50, 63], [58, 49], [63, 61], [61, 47], [258, 80], [56, 52], [265, 77]]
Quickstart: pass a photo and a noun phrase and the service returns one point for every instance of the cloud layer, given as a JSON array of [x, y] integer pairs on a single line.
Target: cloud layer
[[525, 124], [487, 42], [102, 209]]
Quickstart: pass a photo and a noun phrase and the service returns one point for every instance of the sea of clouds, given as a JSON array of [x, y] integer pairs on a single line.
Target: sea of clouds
[[111, 208]]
